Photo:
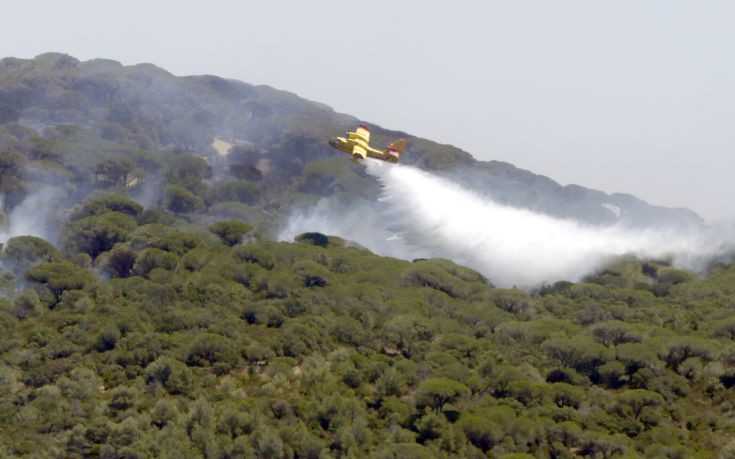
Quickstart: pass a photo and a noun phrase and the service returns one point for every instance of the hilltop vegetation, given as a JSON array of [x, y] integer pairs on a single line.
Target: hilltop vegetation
[[274, 138]]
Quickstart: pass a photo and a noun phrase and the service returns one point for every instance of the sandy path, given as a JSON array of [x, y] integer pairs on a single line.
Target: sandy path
[[221, 147]]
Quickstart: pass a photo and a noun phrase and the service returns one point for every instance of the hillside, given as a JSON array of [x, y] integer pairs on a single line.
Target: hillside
[[156, 316], [279, 142], [178, 341]]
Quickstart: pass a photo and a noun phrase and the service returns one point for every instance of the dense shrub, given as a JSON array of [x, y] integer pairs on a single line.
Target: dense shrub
[[230, 231], [236, 190], [150, 259], [180, 200], [99, 233], [21, 252], [60, 277], [108, 203], [212, 351]]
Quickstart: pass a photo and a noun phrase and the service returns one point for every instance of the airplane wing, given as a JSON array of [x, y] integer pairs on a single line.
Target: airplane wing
[[358, 150], [363, 132]]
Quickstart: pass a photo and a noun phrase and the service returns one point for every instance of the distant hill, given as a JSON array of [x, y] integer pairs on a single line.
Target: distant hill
[[274, 138]]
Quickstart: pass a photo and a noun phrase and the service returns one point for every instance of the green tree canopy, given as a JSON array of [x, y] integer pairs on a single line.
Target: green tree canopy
[[437, 392], [59, 277], [22, 252], [108, 203], [99, 233], [178, 199], [230, 231]]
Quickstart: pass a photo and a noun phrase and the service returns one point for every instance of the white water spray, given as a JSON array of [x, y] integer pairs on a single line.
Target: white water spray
[[421, 215]]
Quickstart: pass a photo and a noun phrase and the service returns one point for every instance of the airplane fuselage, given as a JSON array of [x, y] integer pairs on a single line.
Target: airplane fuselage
[[356, 146]]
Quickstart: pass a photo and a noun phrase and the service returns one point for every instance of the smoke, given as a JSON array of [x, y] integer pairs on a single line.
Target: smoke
[[421, 215], [36, 215]]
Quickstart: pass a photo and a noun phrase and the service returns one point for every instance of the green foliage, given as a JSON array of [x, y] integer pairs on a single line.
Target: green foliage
[[108, 203], [99, 233], [676, 351], [276, 348], [60, 277], [230, 231], [254, 254], [121, 261], [437, 392], [174, 376], [482, 432], [176, 242], [632, 402], [317, 239], [515, 302], [578, 353], [178, 199], [235, 190], [212, 350], [185, 166], [22, 252], [150, 259], [27, 303]]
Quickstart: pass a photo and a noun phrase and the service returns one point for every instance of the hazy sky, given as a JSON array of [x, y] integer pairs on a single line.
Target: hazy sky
[[626, 95]]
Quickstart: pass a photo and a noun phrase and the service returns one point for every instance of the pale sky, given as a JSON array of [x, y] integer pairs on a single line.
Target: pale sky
[[623, 96]]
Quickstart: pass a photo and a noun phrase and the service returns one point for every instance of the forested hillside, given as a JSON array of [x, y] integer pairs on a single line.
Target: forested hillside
[[148, 337], [154, 314]]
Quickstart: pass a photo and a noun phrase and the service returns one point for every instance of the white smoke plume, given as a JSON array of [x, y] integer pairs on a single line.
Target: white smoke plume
[[421, 215], [36, 215]]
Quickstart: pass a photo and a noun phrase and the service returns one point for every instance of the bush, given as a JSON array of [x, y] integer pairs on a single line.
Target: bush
[[164, 412], [235, 190], [230, 231], [99, 233], [108, 203], [106, 340], [27, 304], [312, 274], [480, 431], [211, 350], [437, 392], [177, 242], [349, 331], [174, 376], [317, 239], [121, 261], [254, 254], [150, 259], [179, 200], [21, 252], [61, 277]]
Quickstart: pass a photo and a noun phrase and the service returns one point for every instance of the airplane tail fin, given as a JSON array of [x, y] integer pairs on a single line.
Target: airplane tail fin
[[399, 145], [395, 149]]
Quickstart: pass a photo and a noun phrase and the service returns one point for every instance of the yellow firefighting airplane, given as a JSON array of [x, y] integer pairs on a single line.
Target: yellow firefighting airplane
[[357, 145]]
